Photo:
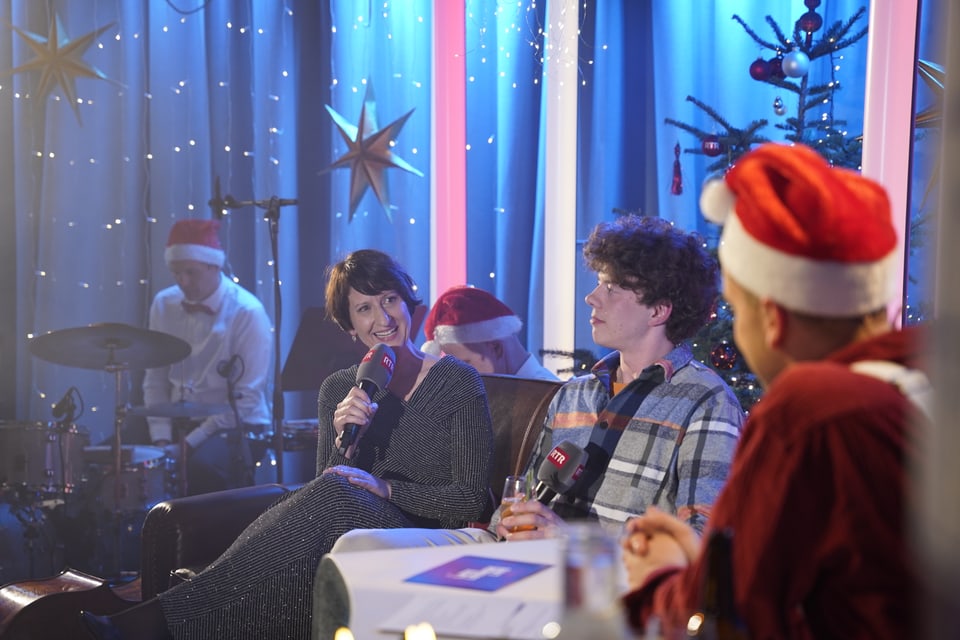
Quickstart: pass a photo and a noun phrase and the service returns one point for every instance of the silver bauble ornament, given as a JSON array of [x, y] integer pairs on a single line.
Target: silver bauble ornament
[[778, 107], [795, 64]]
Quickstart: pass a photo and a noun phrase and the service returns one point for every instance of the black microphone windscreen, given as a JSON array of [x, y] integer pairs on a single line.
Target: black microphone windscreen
[[377, 366], [560, 470]]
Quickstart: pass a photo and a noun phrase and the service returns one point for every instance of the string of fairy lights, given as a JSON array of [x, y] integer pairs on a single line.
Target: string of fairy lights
[[177, 142]]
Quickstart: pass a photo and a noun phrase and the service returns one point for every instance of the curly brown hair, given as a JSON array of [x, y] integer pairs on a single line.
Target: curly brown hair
[[370, 272], [661, 264]]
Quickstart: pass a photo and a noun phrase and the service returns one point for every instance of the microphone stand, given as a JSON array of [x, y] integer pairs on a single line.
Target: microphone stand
[[272, 216]]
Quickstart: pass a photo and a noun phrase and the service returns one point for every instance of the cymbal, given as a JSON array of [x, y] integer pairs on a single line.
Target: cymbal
[[110, 346], [181, 409]]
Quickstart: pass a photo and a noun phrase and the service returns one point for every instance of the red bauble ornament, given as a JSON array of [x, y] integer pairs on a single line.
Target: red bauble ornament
[[711, 146], [724, 356], [760, 70], [776, 68], [810, 22], [811, 4]]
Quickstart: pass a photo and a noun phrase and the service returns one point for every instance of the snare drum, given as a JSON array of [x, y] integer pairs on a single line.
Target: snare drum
[[144, 477], [42, 457]]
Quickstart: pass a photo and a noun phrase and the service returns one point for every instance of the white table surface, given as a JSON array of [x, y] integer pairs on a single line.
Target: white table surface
[[377, 589]]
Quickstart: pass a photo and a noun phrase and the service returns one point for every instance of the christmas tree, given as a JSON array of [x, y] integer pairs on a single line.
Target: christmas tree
[[787, 69]]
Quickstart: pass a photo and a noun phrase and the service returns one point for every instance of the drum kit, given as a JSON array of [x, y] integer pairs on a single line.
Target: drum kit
[[48, 465]]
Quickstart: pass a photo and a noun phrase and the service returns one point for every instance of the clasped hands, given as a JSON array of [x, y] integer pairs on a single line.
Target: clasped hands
[[654, 541]]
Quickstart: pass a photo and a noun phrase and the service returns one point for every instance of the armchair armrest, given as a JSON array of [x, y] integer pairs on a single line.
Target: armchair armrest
[[194, 530]]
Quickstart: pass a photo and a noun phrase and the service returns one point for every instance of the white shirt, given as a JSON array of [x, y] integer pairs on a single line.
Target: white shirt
[[239, 327], [531, 368]]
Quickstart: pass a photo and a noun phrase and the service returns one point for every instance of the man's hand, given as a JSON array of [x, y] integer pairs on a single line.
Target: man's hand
[[656, 540], [545, 523]]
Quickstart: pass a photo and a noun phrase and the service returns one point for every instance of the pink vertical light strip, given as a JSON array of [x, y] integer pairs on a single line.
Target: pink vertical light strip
[[448, 140], [888, 111]]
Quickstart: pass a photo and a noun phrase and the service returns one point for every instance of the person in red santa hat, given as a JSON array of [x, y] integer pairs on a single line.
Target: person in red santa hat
[[227, 371], [809, 537], [475, 327]]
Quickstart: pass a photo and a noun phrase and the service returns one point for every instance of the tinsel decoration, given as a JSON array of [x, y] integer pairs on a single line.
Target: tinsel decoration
[[676, 186]]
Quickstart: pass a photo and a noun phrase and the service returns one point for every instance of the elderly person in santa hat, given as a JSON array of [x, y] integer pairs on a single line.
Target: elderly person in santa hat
[[228, 367], [809, 537], [476, 328]]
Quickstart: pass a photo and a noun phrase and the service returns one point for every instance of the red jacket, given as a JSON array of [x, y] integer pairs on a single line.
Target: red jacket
[[817, 502]]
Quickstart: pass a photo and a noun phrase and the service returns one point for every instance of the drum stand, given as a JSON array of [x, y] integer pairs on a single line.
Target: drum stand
[[119, 417], [181, 427]]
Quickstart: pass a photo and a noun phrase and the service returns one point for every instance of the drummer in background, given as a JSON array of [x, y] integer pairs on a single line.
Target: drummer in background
[[229, 334]]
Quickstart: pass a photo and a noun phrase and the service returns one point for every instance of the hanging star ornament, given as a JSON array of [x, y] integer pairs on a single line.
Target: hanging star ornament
[[59, 60], [368, 154]]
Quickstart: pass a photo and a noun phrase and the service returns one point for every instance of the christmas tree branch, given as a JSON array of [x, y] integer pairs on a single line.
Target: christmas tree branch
[[777, 30], [753, 34], [699, 133], [710, 111]]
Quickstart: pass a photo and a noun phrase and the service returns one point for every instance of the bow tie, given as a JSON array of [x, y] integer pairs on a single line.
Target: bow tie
[[197, 307]]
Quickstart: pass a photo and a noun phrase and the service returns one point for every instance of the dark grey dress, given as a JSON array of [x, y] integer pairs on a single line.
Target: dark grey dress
[[436, 452]]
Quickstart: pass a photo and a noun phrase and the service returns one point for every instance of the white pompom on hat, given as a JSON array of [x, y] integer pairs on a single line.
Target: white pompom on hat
[[195, 240], [814, 238], [465, 315]]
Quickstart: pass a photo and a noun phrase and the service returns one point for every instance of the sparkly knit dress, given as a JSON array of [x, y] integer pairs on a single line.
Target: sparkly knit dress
[[435, 450]]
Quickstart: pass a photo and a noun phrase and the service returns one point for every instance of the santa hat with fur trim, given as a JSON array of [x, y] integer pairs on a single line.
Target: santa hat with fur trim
[[465, 315], [195, 240], [817, 239]]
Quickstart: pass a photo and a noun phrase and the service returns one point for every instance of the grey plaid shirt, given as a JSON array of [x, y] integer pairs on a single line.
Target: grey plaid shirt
[[674, 451]]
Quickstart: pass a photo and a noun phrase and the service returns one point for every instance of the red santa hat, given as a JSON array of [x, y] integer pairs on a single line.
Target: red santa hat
[[815, 238], [465, 315], [195, 240]]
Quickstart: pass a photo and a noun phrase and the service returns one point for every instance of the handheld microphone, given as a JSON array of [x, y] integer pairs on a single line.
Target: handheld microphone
[[559, 471], [373, 374], [65, 406]]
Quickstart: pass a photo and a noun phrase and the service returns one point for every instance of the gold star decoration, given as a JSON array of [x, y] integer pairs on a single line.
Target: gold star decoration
[[368, 154], [59, 60]]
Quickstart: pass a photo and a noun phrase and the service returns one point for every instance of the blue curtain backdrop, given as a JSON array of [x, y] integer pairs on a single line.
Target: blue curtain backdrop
[[236, 90]]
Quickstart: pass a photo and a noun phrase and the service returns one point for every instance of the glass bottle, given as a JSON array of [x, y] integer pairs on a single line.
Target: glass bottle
[[592, 607], [717, 618]]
